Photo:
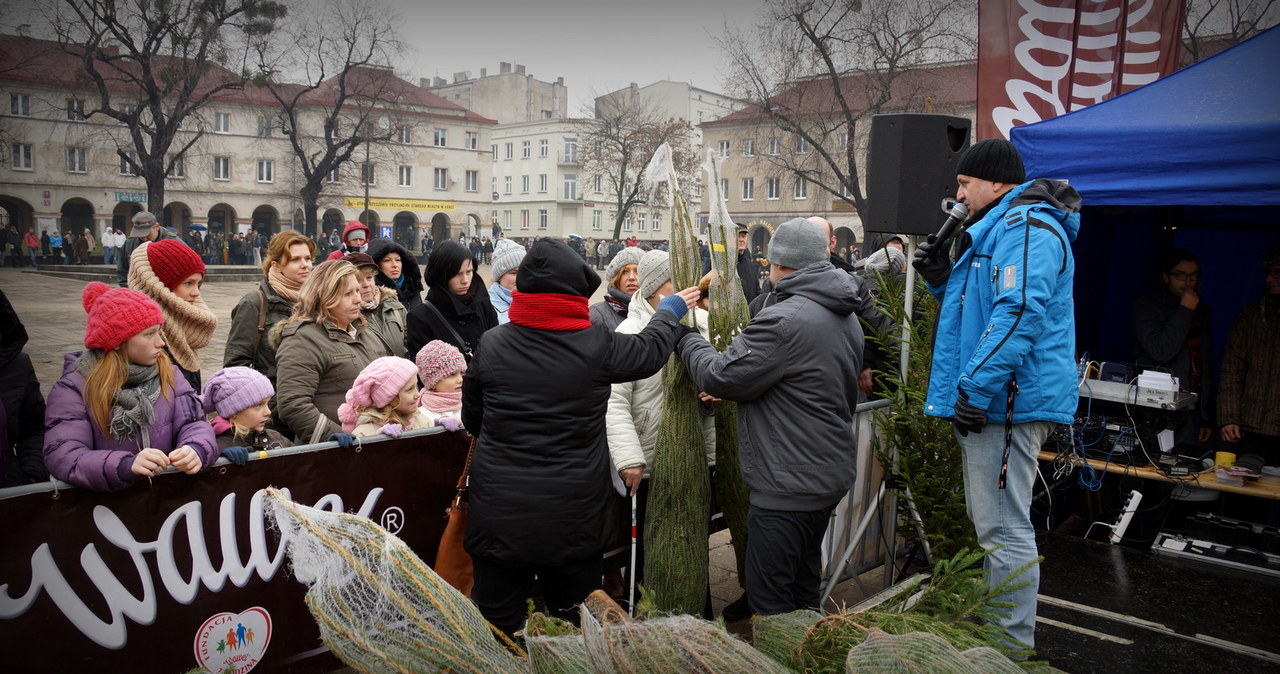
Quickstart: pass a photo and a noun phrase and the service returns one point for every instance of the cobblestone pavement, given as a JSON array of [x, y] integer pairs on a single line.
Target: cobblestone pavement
[[49, 307]]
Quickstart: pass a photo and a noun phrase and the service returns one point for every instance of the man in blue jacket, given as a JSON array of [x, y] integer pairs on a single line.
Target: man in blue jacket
[[793, 370], [1005, 350]]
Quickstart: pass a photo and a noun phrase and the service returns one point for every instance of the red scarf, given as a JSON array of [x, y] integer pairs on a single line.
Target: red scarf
[[549, 311]]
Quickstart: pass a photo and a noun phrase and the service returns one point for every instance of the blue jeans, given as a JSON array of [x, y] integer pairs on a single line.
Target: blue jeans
[[1003, 516]]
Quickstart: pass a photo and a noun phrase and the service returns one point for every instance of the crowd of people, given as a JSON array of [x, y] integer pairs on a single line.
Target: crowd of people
[[364, 343]]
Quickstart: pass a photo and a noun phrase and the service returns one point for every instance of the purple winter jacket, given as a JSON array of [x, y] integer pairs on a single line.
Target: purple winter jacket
[[76, 451]]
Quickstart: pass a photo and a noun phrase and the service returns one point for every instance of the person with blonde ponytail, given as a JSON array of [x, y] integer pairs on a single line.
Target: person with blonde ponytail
[[171, 273], [122, 410]]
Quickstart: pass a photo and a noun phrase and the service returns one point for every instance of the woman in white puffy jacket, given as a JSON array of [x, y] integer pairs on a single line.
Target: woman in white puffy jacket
[[635, 408]]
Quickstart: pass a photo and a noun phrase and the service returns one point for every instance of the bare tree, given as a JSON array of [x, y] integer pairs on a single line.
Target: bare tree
[[154, 65], [348, 92], [814, 70], [617, 145], [1209, 26]]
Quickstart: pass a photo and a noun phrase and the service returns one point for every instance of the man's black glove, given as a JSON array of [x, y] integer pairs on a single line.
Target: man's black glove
[[933, 264], [968, 418]]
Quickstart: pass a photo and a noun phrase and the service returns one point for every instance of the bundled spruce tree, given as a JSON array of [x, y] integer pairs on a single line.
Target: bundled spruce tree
[[676, 526]]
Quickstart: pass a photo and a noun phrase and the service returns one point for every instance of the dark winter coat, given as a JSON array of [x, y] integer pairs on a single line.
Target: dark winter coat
[[793, 370], [410, 291], [609, 315], [21, 406], [541, 491], [1161, 328], [468, 320], [76, 451], [243, 334], [749, 274]]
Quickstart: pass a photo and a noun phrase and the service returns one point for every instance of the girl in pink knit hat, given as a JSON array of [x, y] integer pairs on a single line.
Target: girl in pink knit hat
[[441, 366], [383, 400]]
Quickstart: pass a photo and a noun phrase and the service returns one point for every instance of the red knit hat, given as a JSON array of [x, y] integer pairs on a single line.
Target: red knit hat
[[173, 261], [116, 314]]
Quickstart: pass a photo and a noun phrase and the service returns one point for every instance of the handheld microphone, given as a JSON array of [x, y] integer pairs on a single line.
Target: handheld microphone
[[955, 216]]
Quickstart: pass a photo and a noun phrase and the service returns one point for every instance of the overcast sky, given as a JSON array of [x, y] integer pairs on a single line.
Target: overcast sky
[[597, 46]]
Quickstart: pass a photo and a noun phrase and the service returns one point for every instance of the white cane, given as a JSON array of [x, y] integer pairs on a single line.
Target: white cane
[[631, 593]]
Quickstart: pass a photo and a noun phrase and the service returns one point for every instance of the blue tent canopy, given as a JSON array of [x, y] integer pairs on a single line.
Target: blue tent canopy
[[1206, 135]]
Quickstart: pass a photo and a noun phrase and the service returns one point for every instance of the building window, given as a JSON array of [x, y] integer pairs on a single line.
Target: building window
[[266, 171], [544, 147], [75, 110], [493, 149], [222, 122], [442, 179], [749, 147], [542, 218], [596, 217], [473, 181], [657, 224], [597, 182], [129, 111], [524, 184], [526, 149], [264, 127], [802, 145], [844, 141], [773, 146], [724, 188], [510, 149], [472, 140], [724, 148], [222, 168], [22, 157], [334, 176], [177, 167], [77, 160], [524, 219], [406, 176], [542, 183], [128, 163], [748, 189], [20, 105], [775, 188], [506, 184], [641, 223], [570, 186], [368, 174], [801, 189], [506, 219], [440, 137], [626, 223], [571, 150]]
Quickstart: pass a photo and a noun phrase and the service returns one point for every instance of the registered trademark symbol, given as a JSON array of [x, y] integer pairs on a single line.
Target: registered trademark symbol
[[393, 519]]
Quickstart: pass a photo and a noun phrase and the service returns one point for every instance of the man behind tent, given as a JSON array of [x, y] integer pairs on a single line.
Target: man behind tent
[[1005, 336], [794, 372]]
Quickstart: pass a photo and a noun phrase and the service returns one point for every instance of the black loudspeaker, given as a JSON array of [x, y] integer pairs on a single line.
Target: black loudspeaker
[[911, 168]]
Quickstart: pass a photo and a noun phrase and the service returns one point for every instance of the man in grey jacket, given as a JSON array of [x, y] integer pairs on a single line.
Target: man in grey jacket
[[794, 372]]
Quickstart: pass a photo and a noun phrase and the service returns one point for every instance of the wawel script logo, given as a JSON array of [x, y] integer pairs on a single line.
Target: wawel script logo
[[236, 642], [182, 584], [1049, 61]]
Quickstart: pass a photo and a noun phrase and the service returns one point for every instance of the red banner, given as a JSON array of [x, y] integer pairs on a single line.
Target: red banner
[[1038, 59], [184, 572]]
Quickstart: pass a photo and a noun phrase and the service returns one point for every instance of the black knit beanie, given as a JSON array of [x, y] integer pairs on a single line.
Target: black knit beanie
[[992, 159]]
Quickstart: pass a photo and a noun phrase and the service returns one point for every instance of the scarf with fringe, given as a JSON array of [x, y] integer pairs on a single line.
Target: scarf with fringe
[[134, 408]]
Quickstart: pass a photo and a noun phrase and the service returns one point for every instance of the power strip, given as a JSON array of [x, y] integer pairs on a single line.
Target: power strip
[[1126, 516]]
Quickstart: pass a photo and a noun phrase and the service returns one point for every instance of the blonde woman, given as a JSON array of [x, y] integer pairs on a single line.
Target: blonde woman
[[171, 273], [121, 410], [321, 350]]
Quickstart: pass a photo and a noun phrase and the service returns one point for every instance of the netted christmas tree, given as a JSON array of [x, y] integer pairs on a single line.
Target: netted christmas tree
[[679, 512]]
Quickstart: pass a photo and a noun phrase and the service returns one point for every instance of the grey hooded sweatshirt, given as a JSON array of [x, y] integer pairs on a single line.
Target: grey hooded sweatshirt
[[793, 370]]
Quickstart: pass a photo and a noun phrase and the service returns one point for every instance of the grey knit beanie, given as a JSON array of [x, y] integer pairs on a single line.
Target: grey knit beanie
[[626, 256], [993, 159], [507, 255], [797, 244], [655, 269]]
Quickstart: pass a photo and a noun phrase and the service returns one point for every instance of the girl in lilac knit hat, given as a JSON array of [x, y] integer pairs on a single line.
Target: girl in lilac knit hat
[[383, 400], [237, 397], [441, 366]]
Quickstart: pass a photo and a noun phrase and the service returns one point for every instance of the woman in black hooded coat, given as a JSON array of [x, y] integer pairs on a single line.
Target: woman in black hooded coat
[[460, 301], [541, 501], [408, 285], [21, 406]]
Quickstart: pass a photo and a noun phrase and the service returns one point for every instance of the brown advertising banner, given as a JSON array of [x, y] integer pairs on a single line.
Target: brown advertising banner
[[184, 572], [1038, 59]]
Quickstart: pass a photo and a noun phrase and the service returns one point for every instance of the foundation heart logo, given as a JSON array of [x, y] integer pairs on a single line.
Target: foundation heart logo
[[233, 642]]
